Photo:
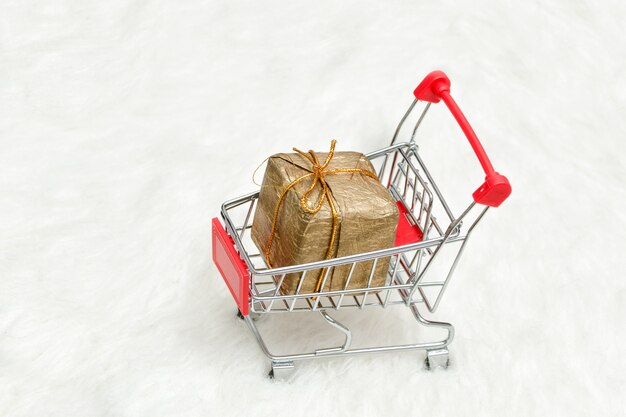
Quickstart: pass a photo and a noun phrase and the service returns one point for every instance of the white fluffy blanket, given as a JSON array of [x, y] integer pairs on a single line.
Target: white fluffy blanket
[[125, 124]]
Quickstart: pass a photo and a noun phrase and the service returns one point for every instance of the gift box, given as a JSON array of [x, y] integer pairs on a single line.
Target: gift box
[[315, 206]]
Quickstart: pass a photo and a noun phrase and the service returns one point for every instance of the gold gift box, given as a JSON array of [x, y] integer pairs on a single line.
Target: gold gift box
[[362, 216]]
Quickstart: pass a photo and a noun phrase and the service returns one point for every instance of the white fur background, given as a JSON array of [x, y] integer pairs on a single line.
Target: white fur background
[[125, 124]]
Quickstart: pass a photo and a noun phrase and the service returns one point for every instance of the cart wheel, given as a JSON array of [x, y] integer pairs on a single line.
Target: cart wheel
[[281, 371], [254, 316], [437, 359]]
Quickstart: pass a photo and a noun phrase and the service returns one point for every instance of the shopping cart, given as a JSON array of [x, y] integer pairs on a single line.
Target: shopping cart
[[426, 226]]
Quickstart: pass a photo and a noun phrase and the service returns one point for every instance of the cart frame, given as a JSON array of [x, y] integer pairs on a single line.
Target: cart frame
[[427, 225]]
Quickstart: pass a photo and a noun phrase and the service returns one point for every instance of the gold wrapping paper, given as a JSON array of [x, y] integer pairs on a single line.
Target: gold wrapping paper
[[367, 217]]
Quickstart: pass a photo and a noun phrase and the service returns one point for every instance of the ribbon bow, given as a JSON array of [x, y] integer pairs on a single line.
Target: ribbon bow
[[319, 171]]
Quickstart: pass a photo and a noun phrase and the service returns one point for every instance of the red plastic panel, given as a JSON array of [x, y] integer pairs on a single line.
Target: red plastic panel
[[406, 232], [233, 269]]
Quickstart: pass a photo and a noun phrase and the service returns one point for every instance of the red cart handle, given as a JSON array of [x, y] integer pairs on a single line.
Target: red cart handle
[[496, 189]]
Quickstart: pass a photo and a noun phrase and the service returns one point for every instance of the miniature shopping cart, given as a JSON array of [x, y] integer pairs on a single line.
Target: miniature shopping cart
[[426, 227]]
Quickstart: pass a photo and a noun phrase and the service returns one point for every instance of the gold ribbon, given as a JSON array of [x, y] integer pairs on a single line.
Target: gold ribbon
[[319, 171]]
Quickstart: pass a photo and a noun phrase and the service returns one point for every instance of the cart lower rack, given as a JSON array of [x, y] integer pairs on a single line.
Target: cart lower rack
[[426, 226]]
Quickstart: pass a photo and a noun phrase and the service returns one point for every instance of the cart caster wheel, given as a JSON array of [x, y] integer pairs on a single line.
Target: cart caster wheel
[[281, 371], [254, 316], [437, 359]]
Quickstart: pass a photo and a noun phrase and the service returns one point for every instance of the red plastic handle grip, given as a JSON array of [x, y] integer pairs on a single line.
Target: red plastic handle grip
[[496, 188]]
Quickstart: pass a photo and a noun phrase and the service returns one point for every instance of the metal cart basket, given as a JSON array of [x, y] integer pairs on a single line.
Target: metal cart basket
[[426, 226]]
